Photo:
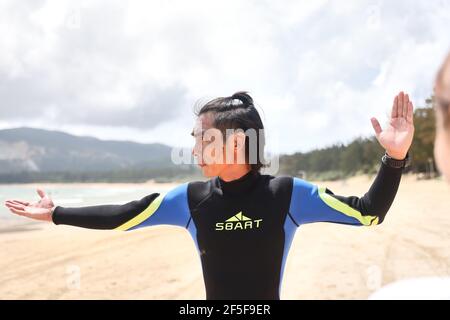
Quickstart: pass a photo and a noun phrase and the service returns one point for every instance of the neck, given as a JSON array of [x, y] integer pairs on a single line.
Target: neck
[[234, 172]]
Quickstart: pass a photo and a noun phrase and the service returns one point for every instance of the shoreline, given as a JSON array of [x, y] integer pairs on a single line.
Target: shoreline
[[91, 184], [152, 182]]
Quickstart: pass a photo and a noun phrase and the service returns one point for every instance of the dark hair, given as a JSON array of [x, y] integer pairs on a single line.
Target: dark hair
[[238, 112]]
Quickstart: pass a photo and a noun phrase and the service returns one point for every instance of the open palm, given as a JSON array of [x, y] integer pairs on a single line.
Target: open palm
[[40, 210], [397, 137]]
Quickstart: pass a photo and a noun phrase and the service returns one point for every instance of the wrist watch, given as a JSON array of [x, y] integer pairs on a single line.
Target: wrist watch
[[394, 163]]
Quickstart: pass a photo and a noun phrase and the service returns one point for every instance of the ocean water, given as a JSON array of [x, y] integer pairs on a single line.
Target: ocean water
[[68, 195]]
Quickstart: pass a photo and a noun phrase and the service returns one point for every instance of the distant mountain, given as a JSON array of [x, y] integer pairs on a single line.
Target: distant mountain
[[39, 151]]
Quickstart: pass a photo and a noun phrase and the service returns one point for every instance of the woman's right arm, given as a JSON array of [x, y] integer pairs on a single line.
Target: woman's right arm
[[154, 209]]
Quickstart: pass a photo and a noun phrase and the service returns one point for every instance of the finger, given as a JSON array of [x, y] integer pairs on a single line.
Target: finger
[[405, 105], [394, 108], [8, 203], [41, 193], [410, 116], [400, 104], [25, 203], [19, 212], [376, 126], [15, 206]]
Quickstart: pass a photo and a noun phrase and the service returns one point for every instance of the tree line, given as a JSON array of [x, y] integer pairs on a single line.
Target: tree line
[[362, 155]]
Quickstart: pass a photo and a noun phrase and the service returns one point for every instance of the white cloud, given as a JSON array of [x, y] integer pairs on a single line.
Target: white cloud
[[318, 69]]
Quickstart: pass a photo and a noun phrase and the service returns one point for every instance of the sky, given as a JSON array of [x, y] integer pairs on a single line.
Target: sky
[[317, 70]]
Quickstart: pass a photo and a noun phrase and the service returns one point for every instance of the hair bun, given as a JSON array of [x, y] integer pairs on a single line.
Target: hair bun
[[244, 97]]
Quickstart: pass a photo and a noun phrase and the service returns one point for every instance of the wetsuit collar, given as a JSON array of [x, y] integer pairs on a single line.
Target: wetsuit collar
[[241, 185]]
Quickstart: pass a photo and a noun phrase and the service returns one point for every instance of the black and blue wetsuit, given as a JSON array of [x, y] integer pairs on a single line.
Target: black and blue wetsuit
[[242, 229]]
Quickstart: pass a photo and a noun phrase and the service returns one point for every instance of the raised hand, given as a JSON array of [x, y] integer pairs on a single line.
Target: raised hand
[[40, 210], [397, 137]]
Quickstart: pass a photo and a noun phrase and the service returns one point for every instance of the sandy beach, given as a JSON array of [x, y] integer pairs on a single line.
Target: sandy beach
[[326, 261]]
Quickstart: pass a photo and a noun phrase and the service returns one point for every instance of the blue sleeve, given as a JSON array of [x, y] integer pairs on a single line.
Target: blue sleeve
[[310, 203], [167, 209], [154, 209]]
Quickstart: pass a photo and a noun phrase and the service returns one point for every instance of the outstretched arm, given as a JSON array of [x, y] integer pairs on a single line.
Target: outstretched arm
[[310, 203], [154, 209]]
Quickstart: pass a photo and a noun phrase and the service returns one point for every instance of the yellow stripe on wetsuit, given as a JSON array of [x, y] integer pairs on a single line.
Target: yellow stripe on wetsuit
[[346, 209], [144, 215]]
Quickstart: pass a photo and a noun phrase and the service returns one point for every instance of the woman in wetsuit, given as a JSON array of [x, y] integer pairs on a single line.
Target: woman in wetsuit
[[242, 221]]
